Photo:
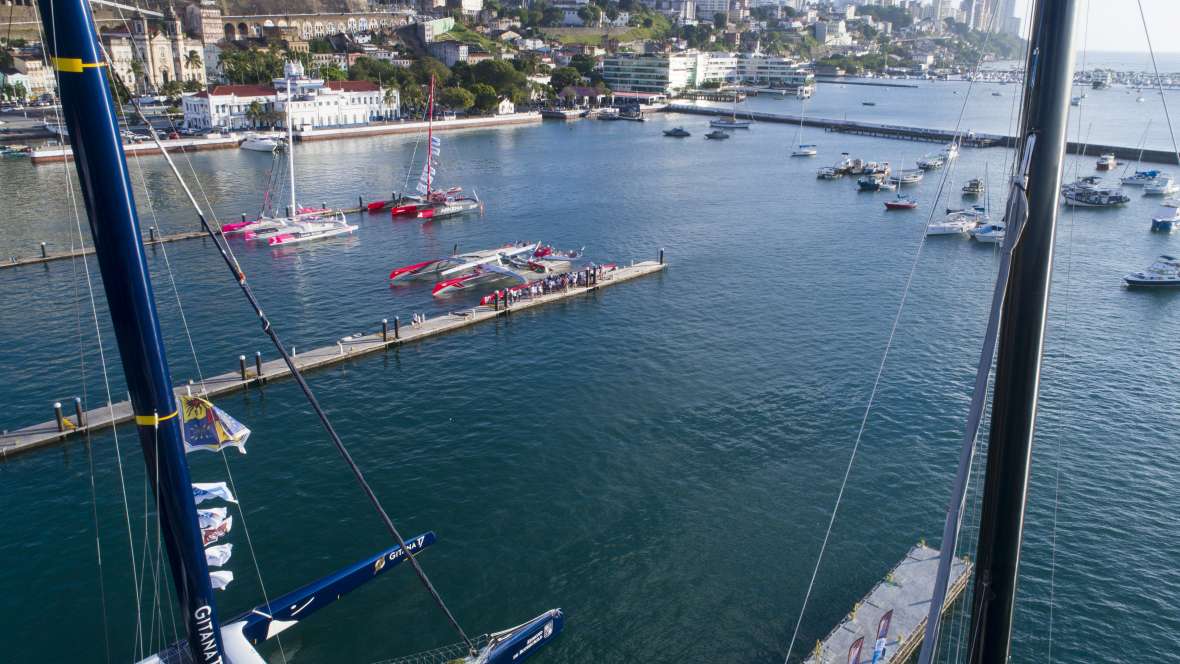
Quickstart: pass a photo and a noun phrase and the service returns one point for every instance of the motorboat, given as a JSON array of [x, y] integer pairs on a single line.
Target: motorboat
[[257, 143], [677, 132], [989, 233], [1141, 178], [450, 266], [14, 151], [1163, 273], [875, 183], [1106, 162], [1075, 101], [951, 151], [1163, 185], [912, 176], [874, 168], [932, 161], [1094, 197], [901, 203], [868, 103], [974, 187], [829, 173], [717, 134], [1167, 217], [958, 222], [805, 150]]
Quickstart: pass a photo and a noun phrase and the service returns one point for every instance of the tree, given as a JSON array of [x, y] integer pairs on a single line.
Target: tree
[[192, 60], [501, 75], [333, 72], [424, 68], [255, 113], [720, 20], [585, 64], [564, 77], [193, 85], [172, 90], [486, 98], [19, 91], [137, 73], [456, 98]]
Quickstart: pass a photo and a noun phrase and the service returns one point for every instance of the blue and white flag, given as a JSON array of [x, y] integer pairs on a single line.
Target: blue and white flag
[[216, 556], [211, 491], [220, 579], [210, 518], [211, 535]]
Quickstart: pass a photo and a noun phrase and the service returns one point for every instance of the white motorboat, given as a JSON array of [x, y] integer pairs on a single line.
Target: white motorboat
[[1106, 162], [991, 233], [1094, 197], [1167, 217], [805, 150], [829, 173], [1142, 178], [932, 161], [258, 143], [1163, 273], [912, 176], [951, 151], [959, 222], [1161, 186]]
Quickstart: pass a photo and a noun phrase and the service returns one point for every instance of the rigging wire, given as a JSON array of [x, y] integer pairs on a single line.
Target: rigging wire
[[240, 276], [70, 196], [884, 360]]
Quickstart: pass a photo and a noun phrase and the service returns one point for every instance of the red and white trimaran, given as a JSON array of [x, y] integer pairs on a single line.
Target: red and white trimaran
[[430, 203]]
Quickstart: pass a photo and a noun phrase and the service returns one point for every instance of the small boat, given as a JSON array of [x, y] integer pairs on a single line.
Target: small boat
[[1163, 273], [932, 161], [1167, 217], [1140, 99], [678, 132], [997, 94], [901, 203], [829, 173], [1163, 185], [958, 222], [257, 143], [951, 151], [868, 103], [974, 187], [1075, 101], [875, 183], [989, 233], [1141, 178], [717, 134], [1094, 197], [1106, 162], [872, 168], [805, 150], [305, 231], [732, 122], [912, 176], [633, 114], [14, 151]]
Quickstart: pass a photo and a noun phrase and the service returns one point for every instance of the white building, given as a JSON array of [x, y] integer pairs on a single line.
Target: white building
[[163, 55], [34, 75], [672, 73], [315, 103]]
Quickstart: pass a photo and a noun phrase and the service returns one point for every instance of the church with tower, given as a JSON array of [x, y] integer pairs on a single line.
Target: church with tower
[[146, 54]]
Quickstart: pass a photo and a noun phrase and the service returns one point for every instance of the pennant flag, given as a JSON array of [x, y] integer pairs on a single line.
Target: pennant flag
[[210, 518], [211, 535], [882, 634], [211, 490], [421, 188], [207, 427], [854, 651], [216, 556], [220, 579]]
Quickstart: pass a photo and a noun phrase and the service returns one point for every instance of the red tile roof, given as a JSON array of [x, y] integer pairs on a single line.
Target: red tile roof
[[242, 90], [353, 86]]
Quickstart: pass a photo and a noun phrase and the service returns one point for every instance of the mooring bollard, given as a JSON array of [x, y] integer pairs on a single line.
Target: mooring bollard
[[243, 217], [385, 329], [360, 204], [397, 327], [661, 255], [151, 233], [44, 253], [242, 366], [61, 419], [288, 209], [455, 250], [81, 421], [258, 363]]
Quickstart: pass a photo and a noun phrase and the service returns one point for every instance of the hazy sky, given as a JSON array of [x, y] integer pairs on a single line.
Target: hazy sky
[[1115, 24]]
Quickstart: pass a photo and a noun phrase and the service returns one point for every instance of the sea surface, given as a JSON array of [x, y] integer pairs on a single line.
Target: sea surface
[[660, 459]]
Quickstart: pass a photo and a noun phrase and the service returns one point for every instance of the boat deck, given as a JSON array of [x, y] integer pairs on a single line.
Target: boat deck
[[95, 419], [907, 590]]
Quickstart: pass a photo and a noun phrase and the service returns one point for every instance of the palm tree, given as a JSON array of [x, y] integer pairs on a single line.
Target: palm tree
[[391, 97], [192, 60], [255, 113]]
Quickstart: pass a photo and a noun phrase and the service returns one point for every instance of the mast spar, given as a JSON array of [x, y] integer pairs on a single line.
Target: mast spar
[[90, 114], [291, 148]]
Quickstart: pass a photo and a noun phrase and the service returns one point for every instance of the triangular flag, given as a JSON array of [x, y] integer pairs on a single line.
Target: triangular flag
[[210, 518], [216, 556], [211, 490], [220, 579], [207, 427]]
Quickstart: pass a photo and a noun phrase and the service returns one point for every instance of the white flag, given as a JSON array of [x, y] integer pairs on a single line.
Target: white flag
[[211, 518], [220, 579], [211, 490], [216, 556], [211, 535]]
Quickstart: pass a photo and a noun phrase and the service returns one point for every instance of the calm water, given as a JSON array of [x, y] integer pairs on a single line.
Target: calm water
[[658, 459]]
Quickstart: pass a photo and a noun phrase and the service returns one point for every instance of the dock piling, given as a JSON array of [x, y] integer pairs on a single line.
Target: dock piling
[[242, 366], [57, 415], [151, 233], [385, 330], [44, 253], [661, 255], [258, 363], [360, 203], [79, 413], [397, 334], [243, 217]]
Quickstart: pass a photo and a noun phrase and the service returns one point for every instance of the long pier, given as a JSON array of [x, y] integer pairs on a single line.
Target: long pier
[[47, 256], [256, 372], [906, 590], [901, 132]]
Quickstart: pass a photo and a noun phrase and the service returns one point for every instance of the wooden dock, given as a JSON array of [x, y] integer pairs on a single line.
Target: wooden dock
[[906, 590], [95, 419], [47, 256]]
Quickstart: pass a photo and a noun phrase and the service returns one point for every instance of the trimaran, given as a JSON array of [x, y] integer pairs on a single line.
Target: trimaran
[[298, 224], [90, 114], [521, 263]]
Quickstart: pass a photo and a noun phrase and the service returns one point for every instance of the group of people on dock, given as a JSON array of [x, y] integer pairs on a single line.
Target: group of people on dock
[[555, 283]]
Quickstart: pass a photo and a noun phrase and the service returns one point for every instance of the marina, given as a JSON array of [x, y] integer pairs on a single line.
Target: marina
[[259, 372]]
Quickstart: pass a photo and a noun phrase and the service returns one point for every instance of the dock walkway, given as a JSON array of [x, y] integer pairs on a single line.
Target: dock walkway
[[95, 419], [906, 590]]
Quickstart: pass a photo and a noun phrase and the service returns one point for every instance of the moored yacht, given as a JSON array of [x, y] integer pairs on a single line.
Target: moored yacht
[[677, 132], [1167, 217], [1163, 185], [974, 187], [958, 222], [805, 150], [1106, 162], [1093, 197], [259, 143], [1141, 178], [1163, 273], [990, 233]]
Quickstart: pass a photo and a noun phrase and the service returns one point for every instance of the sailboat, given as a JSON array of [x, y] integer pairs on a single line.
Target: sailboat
[[106, 189], [803, 149], [1014, 339], [431, 203], [732, 122], [299, 224]]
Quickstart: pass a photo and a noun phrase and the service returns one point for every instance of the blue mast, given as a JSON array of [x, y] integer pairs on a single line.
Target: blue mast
[[90, 115]]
